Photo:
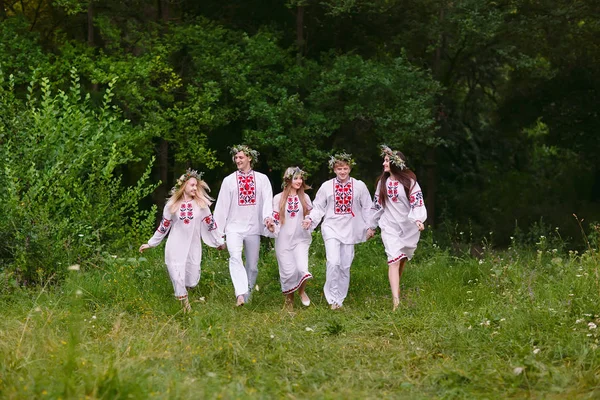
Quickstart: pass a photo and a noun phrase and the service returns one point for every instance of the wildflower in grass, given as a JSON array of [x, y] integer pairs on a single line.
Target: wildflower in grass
[[536, 350], [80, 235], [518, 370], [78, 292], [308, 329], [272, 336], [591, 325], [74, 267]]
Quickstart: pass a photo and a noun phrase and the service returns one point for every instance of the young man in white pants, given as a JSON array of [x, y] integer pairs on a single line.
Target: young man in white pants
[[243, 211], [344, 205]]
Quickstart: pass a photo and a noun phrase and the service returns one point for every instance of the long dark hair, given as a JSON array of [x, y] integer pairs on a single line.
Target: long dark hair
[[405, 176]]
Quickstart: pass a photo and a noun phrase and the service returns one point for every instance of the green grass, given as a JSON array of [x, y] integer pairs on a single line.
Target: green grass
[[465, 328]]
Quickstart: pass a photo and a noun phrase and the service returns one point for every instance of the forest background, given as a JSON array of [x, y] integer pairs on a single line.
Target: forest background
[[105, 103]]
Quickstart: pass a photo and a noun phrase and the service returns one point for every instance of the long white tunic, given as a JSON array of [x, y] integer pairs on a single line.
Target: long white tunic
[[398, 218], [188, 226], [345, 210], [243, 204], [291, 243]]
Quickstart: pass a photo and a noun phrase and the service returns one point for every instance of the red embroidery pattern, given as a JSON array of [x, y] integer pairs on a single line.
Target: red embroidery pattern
[[376, 203], [342, 194], [293, 206], [416, 199], [246, 189], [186, 213], [210, 221], [400, 257], [305, 277], [164, 226], [276, 218], [392, 190]]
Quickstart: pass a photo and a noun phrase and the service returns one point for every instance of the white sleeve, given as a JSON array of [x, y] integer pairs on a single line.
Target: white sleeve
[[417, 212], [319, 207], [223, 205], [365, 203], [208, 229], [267, 196], [163, 228]]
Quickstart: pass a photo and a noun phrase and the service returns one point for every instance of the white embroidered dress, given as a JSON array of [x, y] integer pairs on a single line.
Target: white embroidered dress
[[292, 243], [345, 210], [187, 227], [398, 218]]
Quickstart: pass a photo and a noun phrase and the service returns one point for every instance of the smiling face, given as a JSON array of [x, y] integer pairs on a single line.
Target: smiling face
[[297, 182], [191, 187], [342, 171], [242, 161], [386, 164]]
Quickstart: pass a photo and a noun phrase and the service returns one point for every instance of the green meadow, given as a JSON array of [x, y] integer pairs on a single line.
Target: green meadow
[[516, 323]]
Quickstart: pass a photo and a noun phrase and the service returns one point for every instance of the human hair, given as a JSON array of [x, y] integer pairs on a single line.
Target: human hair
[[404, 175], [249, 152], [288, 178], [202, 198]]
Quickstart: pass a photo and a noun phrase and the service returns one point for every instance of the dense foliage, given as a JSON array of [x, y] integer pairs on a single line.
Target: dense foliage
[[495, 103]]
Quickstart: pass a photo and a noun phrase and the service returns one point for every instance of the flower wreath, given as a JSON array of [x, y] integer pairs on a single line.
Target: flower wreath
[[250, 153], [291, 173], [341, 157], [393, 157], [190, 173]]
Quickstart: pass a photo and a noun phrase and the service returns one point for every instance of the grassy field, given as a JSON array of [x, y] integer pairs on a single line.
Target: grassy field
[[513, 324]]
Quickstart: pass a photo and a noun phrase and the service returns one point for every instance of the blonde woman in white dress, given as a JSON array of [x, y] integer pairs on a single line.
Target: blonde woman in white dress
[[292, 235], [188, 220]]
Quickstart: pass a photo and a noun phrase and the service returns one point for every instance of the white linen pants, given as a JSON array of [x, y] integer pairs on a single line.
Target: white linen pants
[[337, 278], [243, 276]]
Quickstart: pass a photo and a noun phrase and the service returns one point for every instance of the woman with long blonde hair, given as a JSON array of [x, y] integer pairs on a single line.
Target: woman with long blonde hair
[[292, 235], [188, 218]]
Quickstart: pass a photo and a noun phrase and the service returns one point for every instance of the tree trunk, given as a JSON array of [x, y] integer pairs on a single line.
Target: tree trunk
[[2, 11], [163, 6], [163, 172], [90, 24], [431, 177], [300, 33]]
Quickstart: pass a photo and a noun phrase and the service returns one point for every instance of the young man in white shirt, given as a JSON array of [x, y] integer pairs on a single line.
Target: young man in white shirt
[[243, 212], [344, 205]]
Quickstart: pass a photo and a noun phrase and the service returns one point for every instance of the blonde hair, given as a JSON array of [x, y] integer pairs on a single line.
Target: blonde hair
[[202, 199], [288, 177]]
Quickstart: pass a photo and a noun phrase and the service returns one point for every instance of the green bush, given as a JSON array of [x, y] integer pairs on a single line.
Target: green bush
[[63, 201]]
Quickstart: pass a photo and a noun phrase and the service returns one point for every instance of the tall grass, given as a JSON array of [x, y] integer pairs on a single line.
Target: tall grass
[[515, 324]]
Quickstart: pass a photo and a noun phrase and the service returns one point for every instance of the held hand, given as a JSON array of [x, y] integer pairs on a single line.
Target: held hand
[[370, 233], [144, 247], [222, 247], [306, 222], [420, 225], [268, 221], [271, 227]]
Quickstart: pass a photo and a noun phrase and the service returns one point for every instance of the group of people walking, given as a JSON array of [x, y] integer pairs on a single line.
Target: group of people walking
[[246, 209]]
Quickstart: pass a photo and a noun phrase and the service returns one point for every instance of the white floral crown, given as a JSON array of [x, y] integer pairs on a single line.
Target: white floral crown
[[393, 157], [251, 153], [190, 173], [341, 157], [291, 173]]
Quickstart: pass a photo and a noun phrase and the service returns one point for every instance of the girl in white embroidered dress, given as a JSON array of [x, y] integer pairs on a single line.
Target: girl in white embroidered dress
[[292, 236], [188, 218], [399, 211]]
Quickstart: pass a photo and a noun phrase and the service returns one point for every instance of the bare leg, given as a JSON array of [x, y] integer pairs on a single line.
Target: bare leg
[[395, 274], [289, 302], [394, 278], [303, 295]]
